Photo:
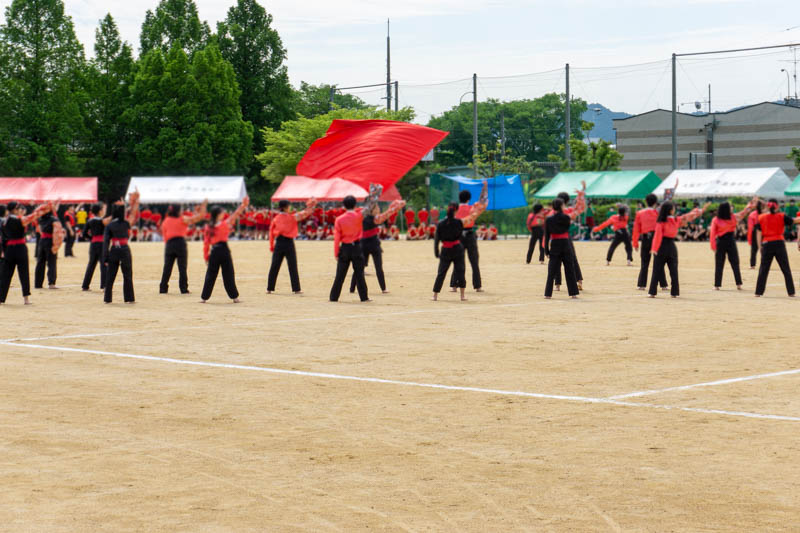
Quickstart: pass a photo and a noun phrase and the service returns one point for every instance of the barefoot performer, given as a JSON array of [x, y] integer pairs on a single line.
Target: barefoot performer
[[664, 249], [723, 241], [174, 230], [620, 224], [370, 233], [558, 247], [284, 230], [449, 232], [95, 229], [773, 224], [116, 253], [217, 253], [465, 213], [15, 251]]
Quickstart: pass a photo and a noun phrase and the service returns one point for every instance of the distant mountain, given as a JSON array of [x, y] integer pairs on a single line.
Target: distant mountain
[[602, 118]]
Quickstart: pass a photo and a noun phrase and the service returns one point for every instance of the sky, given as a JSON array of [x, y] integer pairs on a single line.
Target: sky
[[618, 51]]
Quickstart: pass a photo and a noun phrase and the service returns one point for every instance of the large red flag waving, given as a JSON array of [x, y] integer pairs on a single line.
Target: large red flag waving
[[369, 151]]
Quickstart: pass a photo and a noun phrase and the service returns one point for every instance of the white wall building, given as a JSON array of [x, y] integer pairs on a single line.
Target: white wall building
[[756, 136]]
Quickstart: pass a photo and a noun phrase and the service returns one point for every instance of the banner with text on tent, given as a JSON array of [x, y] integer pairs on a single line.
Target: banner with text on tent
[[368, 151]]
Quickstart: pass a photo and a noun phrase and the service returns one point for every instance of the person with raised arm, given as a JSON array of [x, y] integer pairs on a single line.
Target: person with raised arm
[[664, 249], [619, 223], [95, 230], [773, 224], [754, 233], [723, 240], [116, 252], [468, 214], [15, 251], [644, 226], [558, 247], [282, 233], [449, 232], [51, 235], [174, 229], [370, 233], [216, 251], [579, 207]]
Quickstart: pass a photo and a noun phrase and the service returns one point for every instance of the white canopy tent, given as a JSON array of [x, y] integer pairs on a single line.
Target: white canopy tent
[[189, 189], [727, 183]]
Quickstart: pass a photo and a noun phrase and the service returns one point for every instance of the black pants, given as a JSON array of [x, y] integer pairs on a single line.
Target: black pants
[[69, 241], [95, 257], [284, 248], [220, 259], [726, 246], [620, 236], [667, 256], [576, 267], [175, 250], [647, 244], [372, 247], [561, 252], [349, 253], [15, 257], [536, 236], [470, 244], [454, 256], [776, 250], [45, 257], [119, 258], [753, 249]]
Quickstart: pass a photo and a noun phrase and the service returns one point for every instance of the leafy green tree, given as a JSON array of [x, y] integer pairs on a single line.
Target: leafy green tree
[[285, 148], [590, 157], [534, 128], [493, 162], [249, 42], [185, 116], [41, 88], [110, 77], [175, 22], [795, 154], [314, 100]]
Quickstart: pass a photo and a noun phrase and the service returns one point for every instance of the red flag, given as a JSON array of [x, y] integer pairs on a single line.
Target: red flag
[[369, 151]]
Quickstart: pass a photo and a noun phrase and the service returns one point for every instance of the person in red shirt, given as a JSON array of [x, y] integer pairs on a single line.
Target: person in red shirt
[[468, 239], [431, 231], [535, 225], [71, 229], [284, 230], [753, 233], [666, 254], [773, 224], [723, 241], [434, 217], [492, 232], [174, 230], [422, 215], [621, 235], [410, 218], [412, 233], [217, 253], [394, 232], [261, 226], [644, 226], [347, 250]]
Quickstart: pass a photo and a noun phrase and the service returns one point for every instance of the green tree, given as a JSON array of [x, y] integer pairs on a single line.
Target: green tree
[[41, 88], [795, 154], [249, 42], [314, 100], [284, 148], [534, 128], [175, 22], [590, 157], [185, 116], [110, 77]]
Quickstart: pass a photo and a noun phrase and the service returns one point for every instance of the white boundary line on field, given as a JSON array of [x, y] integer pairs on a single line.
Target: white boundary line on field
[[650, 392], [323, 375]]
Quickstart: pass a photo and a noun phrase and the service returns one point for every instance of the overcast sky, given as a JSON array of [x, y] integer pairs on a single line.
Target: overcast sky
[[344, 42]]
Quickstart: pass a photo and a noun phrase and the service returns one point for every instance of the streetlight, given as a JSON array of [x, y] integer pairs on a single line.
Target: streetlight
[[788, 86]]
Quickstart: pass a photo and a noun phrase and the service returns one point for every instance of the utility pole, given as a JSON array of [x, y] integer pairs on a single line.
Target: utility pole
[[397, 96], [330, 98], [475, 122], [709, 98], [674, 113], [388, 68], [567, 124], [502, 134]]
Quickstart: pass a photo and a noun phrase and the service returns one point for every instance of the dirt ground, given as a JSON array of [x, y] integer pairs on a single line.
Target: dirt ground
[[503, 413]]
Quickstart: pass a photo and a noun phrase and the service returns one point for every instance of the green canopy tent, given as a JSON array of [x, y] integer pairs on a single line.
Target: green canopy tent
[[794, 188], [567, 182], [623, 184]]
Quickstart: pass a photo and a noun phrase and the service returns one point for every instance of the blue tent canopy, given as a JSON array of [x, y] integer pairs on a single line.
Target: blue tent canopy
[[505, 192]]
